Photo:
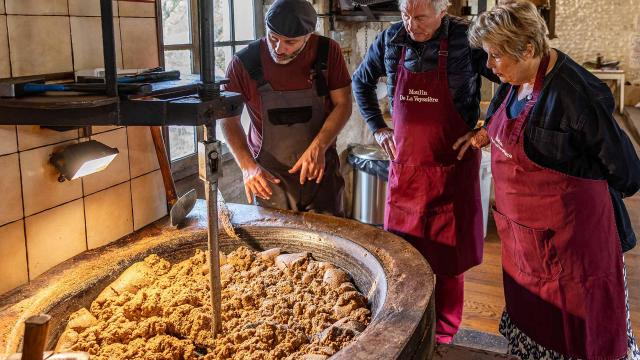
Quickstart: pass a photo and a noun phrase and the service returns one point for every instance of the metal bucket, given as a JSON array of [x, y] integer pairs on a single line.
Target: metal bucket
[[369, 190]]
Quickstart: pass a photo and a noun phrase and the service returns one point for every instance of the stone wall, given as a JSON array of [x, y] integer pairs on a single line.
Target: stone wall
[[611, 28]]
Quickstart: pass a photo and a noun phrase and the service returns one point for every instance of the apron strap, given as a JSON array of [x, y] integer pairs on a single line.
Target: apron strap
[[443, 55], [402, 53], [321, 63], [250, 58], [535, 94]]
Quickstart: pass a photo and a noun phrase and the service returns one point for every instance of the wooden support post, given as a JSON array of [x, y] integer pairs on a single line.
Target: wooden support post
[[35, 337]]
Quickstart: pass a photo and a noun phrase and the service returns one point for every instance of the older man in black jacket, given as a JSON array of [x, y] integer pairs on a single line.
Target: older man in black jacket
[[433, 201]]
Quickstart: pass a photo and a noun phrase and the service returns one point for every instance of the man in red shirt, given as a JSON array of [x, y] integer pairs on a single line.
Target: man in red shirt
[[298, 94]]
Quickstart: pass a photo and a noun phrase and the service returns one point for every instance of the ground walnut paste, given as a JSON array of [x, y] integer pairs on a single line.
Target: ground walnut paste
[[274, 306]]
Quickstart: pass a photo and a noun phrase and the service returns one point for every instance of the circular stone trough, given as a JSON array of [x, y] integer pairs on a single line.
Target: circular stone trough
[[396, 279]]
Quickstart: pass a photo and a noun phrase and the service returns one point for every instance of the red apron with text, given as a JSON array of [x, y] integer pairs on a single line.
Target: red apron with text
[[561, 254], [433, 199]]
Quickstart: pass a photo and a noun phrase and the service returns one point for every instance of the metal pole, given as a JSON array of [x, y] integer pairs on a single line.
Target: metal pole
[[208, 158], [207, 56], [232, 19], [109, 47], [214, 271]]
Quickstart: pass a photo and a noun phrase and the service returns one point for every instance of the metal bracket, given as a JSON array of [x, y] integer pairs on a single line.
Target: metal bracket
[[368, 12], [209, 160]]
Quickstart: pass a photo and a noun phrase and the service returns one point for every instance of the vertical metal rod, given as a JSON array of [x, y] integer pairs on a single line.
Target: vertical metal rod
[[211, 191], [207, 54], [109, 47], [210, 89], [232, 19]]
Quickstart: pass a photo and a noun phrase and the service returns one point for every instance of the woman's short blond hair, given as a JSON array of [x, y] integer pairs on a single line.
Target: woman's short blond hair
[[510, 26]]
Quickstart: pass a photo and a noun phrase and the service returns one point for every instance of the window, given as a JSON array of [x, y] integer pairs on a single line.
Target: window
[[177, 33], [237, 22]]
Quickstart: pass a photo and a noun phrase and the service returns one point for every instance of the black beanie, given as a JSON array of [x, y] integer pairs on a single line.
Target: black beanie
[[291, 18]]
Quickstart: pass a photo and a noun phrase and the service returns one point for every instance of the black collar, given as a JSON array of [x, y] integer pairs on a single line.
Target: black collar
[[402, 38]]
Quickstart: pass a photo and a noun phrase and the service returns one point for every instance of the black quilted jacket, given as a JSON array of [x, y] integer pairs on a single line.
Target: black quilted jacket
[[465, 65]]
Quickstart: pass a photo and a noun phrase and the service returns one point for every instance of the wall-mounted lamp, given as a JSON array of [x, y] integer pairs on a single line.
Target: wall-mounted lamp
[[82, 159]]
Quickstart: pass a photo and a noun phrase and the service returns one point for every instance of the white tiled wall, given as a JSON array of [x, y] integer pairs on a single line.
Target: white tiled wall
[[147, 205], [37, 7], [41, 189], [10, 187], [43, 221], [139, 42], [86, 36], [13, 268], [137, 9], [31, 136], [54, 220], [88, 8], [141, 160], [8, 139], [5, 69], [54, 236], [85, 7], [57, 36], [39, 44], [109, 215]]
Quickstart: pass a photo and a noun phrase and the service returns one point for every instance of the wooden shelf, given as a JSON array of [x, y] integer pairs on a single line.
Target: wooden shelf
[[173, 102], [55, 110]]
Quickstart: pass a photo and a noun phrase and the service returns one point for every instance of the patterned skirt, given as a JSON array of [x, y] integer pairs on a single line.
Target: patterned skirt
[[525, 348]]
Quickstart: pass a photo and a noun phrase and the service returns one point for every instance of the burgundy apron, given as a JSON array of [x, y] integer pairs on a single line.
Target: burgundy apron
[[561, 255], [433, 199]]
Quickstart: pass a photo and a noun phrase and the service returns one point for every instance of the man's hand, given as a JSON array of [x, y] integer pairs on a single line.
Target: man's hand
[[256, 181], [384, 137], [478, 139], [311, 164]]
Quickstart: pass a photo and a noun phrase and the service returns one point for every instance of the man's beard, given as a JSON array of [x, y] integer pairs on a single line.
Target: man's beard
[[289, 58]]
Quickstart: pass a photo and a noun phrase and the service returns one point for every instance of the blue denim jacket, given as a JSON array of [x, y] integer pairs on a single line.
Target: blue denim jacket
[[571, 129], [465, 65]]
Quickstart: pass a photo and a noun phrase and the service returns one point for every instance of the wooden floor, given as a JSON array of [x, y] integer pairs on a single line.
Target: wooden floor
[[484, 300]]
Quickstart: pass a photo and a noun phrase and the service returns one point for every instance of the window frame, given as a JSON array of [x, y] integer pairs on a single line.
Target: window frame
[[188, 165]]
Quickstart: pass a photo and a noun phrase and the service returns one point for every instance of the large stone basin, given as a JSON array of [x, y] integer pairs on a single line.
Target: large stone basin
[[393, 275]]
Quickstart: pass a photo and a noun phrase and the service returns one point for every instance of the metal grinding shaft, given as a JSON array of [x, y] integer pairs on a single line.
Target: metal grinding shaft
[[208, 156], [208, 163]]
